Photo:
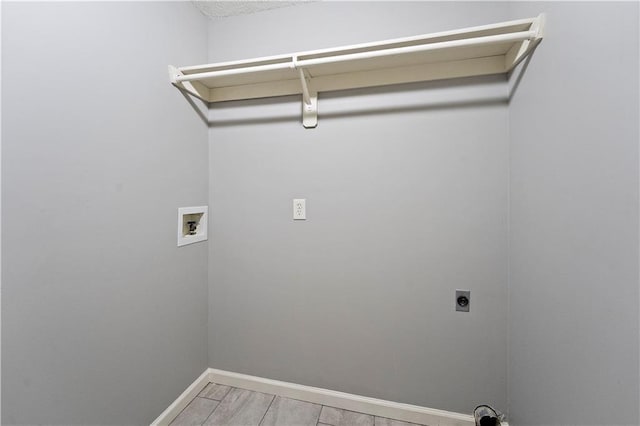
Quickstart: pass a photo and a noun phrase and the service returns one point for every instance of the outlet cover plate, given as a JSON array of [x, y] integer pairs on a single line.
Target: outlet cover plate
[[189, 234], [299, 209]]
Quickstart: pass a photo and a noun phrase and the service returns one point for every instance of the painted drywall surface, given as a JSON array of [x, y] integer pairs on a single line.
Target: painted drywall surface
[[0, 218], [406, 191], [574, 220], [104, 318]]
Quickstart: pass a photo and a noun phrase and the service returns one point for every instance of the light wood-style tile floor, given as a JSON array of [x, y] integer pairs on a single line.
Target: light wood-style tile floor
[[227, 406]]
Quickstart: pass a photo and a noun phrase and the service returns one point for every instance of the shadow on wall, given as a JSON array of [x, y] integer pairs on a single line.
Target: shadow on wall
[[472, 92], [519, 73], [197, 108]]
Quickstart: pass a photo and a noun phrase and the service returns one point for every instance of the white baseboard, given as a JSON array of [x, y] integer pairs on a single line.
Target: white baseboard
[[346, 401], [183, 400]]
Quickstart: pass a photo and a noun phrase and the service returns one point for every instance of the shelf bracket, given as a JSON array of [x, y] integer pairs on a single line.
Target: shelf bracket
[[310, 112], [520, 51], [309, 102], [194, 88]]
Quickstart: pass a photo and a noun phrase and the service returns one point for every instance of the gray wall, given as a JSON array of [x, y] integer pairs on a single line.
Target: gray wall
[[105, 320], [406, 192], [573, 291], [103, 317]]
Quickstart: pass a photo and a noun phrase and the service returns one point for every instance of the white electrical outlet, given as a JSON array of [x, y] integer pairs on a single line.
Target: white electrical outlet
[[299, 209]]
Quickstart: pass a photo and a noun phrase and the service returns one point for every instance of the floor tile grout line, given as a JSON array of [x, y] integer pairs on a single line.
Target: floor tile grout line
[[210, 399], [318, 423], [357, 412], [213, 399], [352, 411], [214, 409], [226, 393], [185, 407], [343, 411], [219, 403], [319, 412], [268, 408]]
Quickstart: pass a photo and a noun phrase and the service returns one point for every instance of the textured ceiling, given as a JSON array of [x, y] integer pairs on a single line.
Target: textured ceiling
[[221, 9]]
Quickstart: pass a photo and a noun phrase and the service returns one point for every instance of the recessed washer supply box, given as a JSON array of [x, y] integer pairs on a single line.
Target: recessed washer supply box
[[192, 224]]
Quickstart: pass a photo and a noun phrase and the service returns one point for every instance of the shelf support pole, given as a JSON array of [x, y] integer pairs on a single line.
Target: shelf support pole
[[309, 102], [305, 89]]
